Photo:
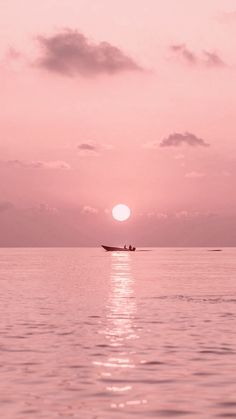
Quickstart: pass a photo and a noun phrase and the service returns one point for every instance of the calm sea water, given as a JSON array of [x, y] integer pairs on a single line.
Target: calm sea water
[[88, 334]]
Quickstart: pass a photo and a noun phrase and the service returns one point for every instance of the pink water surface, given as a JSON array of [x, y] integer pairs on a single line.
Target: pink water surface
[[89, 334]]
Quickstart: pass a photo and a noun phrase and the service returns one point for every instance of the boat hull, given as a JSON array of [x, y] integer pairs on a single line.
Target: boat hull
[[116, 249]]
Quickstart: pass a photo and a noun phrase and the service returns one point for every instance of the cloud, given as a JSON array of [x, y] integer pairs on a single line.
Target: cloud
[[213, 59], [13, 54], [57, 164], [85, 146], [44, 208], [13, 60], [185, 53], [5, 206], [195, 175], [92, 148], [177, 139], [186, 214], [89, 210], [86, 149], [70, 53], [206, 58]]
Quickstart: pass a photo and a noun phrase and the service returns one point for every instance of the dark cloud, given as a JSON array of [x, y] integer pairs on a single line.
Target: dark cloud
[[93, 148], [186, 53], [208, 58], [5, 206], [177, 139], [87, 147], [57, 164], [213, 59], [70, 53]]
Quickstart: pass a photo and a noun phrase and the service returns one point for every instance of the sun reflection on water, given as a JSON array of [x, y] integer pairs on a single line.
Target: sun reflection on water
[[120, 328], [121, 304]]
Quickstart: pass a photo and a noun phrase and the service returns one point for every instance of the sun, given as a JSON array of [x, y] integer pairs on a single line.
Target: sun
[[121, 212]]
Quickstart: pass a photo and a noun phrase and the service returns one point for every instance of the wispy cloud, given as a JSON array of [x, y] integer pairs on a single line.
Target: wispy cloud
[[13, 54], [177, 139], [70, 53], [213, 59], [86, 146], [187, 214], [89, 210], [90, 148], [205, 58], [57, 164], [185, 53], [14, 59], [44, 208]]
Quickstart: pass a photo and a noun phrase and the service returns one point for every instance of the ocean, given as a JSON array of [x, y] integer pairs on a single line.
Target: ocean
[[93, 335]]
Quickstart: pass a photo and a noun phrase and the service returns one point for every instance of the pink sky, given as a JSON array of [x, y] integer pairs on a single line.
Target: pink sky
[[105, 102]]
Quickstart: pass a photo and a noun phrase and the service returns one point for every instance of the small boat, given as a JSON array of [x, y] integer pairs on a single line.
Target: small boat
[[118, 249], [215, 250]]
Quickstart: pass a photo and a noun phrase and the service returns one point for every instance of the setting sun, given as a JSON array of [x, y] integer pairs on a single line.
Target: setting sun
[[121, 212]]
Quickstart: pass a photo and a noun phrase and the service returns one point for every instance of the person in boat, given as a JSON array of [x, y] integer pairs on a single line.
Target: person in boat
[[125, 247], [130, 247]]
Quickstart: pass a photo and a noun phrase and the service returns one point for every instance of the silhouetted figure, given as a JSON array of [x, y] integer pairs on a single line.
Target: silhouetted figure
[[125, 246], [130, 247]]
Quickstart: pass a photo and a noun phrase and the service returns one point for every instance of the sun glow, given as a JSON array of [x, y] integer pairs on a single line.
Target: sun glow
[[121, 212]]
